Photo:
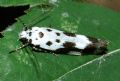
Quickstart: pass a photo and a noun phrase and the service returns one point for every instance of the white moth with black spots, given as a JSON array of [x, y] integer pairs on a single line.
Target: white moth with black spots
[[56, 41]]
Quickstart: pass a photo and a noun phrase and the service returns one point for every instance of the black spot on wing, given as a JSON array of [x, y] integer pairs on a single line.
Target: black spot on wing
[[69, 44], [58, 34], [41, 34], [49, 43], [49, 30], [70, 34], [30, 33], [30, 41], [36, 39], [57, 40]]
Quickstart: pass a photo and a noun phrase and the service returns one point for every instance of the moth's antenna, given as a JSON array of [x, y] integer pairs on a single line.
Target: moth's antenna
[[35, 20], [25, 26], [22, 22], [45, 13], [19, 48]]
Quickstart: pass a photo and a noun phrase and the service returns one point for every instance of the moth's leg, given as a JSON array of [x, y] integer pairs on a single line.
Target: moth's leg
[[76, 53], [55, 54], [25, 26], [24, 45], [36, 49], [39, 50]]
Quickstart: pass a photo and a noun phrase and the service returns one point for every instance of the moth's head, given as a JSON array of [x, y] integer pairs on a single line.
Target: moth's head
[[24, 35]]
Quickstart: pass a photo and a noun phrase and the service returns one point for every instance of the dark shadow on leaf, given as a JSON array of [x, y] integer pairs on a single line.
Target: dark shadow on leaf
[[9, 14], [1, 36]]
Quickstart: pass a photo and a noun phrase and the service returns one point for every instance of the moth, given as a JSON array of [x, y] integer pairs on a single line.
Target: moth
[[56, 41]]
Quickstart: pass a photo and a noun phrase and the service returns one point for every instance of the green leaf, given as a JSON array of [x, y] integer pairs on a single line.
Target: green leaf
[[27, 65], [21, 2], [104, 68]]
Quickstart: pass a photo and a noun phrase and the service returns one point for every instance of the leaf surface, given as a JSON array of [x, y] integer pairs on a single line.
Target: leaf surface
[[87, 19]]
